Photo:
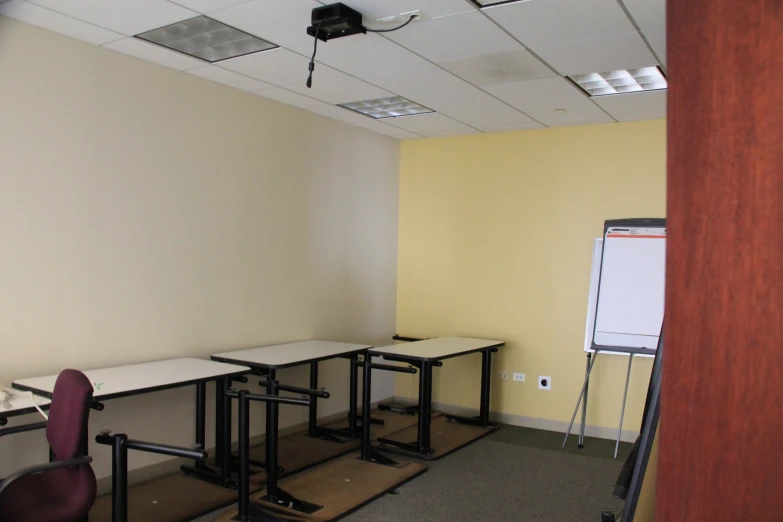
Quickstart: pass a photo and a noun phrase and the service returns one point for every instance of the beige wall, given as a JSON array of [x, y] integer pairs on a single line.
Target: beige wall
[[148, 214], [496, 236]]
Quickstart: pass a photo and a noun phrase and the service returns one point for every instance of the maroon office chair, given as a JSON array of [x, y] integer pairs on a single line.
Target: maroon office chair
[[64, 489]]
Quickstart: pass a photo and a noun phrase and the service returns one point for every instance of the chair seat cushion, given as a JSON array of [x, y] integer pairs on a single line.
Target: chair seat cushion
[[61, 495]]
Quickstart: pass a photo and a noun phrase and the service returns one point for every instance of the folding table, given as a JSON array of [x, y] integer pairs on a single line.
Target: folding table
[[329, 490], [137, 379], [21, 404], [424, 354], [266, 360]]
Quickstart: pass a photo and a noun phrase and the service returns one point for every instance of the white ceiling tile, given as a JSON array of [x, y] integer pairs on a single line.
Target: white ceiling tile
[[339, 113], [450, 132], [541, 98], [424, 123], [412, 80], [289, 98], [456, 36], [566, 121], [339, 89], [154, 53], [57, 22], [129, 17], [611, 53], [372, 10], [282, 22], [472, 106], [276, 66], [207, 6], [505, 67], [387, 130], [398, 133], [551, 22], [657, 40], [642, 116], [361, 53], [634, 106], [511, 127], [527, 93], [649, 15], [230, 78]]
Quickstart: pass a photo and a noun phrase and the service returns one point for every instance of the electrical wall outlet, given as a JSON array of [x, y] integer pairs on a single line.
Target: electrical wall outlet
[[544, 382], [519, 377], [503, 375]]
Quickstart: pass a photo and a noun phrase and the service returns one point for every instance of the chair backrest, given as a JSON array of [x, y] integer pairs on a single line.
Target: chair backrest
[[68, 414]]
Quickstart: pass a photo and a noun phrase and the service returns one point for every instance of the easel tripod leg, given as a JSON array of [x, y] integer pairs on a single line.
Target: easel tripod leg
[[581, 443], [579, 401], [622, 410]]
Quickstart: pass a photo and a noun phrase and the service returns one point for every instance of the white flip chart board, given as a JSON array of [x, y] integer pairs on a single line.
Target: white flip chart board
[[592, 296], [627, 286]]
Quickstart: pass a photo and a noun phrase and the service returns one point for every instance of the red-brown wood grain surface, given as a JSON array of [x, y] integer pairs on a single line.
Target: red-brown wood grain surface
[[721, 446]]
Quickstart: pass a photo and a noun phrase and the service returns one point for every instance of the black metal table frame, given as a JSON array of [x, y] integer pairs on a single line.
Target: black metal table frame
[[223, 454], [97, 404], [425, 365], [33, 426], [6, 414], [119, 474], [276, 496]]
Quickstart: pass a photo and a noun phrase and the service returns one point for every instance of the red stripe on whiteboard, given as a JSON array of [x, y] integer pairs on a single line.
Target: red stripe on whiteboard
[[628, 235]]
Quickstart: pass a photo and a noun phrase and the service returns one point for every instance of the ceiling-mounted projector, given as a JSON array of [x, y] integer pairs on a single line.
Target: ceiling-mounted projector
[[338, 20], [335, 21]]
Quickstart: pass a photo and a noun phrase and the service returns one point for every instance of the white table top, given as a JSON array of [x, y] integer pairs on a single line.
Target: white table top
[[437, 348], [127, 380], [21, 403], [290, 354]]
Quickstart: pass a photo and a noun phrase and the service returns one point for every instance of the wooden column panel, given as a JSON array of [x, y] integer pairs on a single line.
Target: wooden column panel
[[721, 440]]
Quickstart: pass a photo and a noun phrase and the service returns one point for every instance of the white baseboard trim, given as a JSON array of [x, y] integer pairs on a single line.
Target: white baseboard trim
[[600, 432]]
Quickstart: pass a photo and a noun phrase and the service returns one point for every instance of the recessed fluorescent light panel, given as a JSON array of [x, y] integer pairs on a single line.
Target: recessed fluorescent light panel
[[387, 107], [206, 39], [621, 82], [486, 4]]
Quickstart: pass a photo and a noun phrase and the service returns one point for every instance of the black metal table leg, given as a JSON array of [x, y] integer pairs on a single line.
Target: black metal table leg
[[366, 401], [244, 457], [368, 453], [271, 447], [484, 406], [420, 421], [219, 403], [225, 432], [486, 380], [312, 426], [201, 415], [352, 391], [201, 469], [119, 479], [271, 443], [425, 409]]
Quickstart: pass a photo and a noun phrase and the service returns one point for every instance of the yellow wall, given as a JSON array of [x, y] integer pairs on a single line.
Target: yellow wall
[[495, 241], [148, 214]]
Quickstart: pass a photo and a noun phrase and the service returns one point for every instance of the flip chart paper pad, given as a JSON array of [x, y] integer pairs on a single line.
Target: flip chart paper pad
[[592, 296], [631, 291]]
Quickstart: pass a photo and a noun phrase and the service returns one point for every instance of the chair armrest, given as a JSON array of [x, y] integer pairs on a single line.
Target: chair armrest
[[40, 468]]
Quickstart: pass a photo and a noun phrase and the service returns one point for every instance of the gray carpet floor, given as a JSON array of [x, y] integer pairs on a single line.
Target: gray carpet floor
[[501, 481]]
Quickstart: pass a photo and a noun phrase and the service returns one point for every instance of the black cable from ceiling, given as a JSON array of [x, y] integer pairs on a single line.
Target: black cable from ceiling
[[312, 60], [412, 18]]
